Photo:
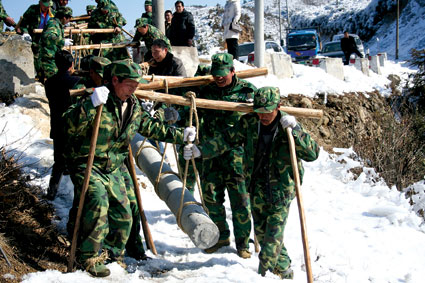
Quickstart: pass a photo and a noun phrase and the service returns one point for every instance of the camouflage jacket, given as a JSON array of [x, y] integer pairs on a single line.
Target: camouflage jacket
[[31, 20], [51, 41], [149, 17], [246, 133], [152, 34], [113, 140], [112, 19], [3, 15]]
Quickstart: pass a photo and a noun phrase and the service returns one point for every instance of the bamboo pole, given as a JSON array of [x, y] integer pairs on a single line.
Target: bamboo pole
[[103, 46], [215, 104], [87, 173], [80, 18], [145, 225], [77, 30], [296, 174], [222, 105]]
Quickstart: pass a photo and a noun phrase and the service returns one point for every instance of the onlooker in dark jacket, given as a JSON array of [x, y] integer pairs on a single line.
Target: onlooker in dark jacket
[[168, 16], [182, 28], [349, 46], [164, 63], [57, 91]]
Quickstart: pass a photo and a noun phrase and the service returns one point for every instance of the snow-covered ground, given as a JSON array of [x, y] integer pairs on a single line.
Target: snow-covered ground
[[359, 230]]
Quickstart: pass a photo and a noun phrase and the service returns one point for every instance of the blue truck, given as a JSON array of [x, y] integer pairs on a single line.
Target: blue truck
[[303, 44]]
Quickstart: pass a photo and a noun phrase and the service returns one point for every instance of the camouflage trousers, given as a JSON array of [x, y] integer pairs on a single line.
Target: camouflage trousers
[[106, 219], [269, 224], [216, 178], [36, 54]]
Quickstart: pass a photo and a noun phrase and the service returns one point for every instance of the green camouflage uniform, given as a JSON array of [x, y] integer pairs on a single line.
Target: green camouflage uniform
[[31, 20], [111, 20], [226, 170], [97, 65], [51, 41], [149, 15], [272, 187], [110, 204], [3, 16], [152, 34]]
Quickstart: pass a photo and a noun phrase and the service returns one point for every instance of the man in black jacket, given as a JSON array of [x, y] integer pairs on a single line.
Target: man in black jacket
[[57, 91], [349, 46], [182, 28], [164, 63]]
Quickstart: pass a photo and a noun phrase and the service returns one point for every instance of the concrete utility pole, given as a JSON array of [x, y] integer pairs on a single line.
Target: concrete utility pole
[[158, 14], [396, 33], [259, 47]]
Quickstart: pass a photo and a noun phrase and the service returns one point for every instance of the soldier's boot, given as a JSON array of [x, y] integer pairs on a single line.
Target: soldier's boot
[[54, 182], [99, 269], [244, 253], [137, 254], [220, 243], [286, 274]]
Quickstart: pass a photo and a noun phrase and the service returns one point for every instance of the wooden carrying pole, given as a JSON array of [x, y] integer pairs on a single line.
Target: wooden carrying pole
[[80, 18], [158, 82], [145, 226], [222, 105], [87, 173], [78, 31], [99, 46], [300, 204]]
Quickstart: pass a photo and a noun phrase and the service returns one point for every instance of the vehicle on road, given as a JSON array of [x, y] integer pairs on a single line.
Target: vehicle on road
[[247, 48], [332, 49], [271, 47], [303, 44]]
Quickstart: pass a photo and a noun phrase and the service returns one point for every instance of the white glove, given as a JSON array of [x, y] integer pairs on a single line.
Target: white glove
[[171, 114], [69, 42], [189, 134], [99, 96], [288, 121], [26, 37], [191, 150], [147, 105]]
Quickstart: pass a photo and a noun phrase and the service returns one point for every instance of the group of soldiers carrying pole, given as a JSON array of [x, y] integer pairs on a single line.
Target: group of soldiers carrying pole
[[249, 155]]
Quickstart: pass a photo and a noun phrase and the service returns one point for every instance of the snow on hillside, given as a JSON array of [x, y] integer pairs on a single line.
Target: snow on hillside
[[359, 17]]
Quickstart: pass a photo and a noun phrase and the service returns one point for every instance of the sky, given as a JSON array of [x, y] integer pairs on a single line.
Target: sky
[[359, 229], [131, 9]]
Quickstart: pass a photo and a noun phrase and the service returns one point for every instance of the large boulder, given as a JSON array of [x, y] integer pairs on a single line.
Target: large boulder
[[17, 75]]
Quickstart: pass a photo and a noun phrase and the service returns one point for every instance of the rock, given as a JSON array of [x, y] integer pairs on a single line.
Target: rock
[[306, 103]]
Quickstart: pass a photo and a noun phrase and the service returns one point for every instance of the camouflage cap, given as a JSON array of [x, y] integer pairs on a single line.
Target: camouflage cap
[[127, 69], [98, 64], [90, 8], [221, 64], [141, 22], [48, 3], [148, 2], [266, 99], [64, 11], [104, 4]]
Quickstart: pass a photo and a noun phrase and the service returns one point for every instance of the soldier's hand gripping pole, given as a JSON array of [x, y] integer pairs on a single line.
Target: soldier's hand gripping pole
[[145, 226], [87, 173], [300, 204]]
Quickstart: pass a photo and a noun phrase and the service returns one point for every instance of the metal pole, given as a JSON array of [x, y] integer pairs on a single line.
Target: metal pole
[[396, 40], [287, 15], [280, 26], [158, 14], [259, 47]]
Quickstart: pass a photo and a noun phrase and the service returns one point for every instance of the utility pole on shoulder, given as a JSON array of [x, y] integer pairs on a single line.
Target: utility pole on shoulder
[[396, 33]]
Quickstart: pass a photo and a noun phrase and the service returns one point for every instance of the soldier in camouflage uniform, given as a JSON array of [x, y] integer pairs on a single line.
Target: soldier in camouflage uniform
[[148, 34], [104, 17], [4, 18], [90, 9], [107, 215], [35, 17], [148, 12], [225, 172], [95, 76], [268, 170], [52, 40]]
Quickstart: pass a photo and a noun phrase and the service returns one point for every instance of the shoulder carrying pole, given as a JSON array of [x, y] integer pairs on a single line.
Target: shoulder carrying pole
[[145, 226], [87, 173], [300, 204]]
